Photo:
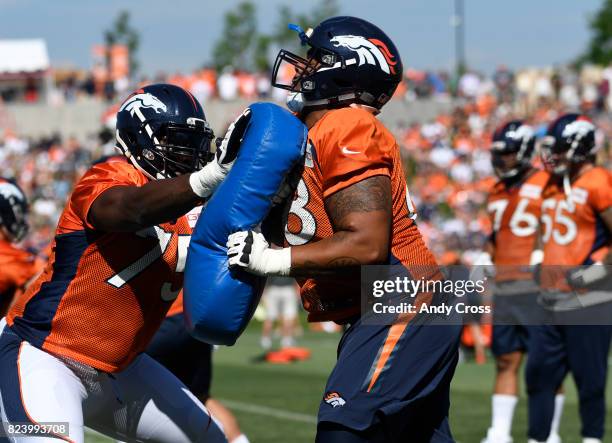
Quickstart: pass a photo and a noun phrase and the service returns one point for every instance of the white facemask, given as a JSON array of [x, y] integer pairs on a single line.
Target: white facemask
[[295, 102]]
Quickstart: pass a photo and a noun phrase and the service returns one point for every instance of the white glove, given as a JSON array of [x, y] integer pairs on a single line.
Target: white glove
[[251, 251], [482, 268], [205, 181], [536, 258], [587, 275]]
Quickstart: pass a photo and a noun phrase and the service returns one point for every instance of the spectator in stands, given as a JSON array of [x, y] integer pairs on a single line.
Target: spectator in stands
[[228, 85]]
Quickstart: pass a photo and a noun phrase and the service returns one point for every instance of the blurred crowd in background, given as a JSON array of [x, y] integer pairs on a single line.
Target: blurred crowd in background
[[447, 160], [572, 87]]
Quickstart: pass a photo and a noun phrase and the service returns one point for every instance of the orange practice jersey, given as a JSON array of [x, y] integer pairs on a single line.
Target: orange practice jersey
[[102, 295], [17, 267], [515, 214], [573, 231], [346, 146]]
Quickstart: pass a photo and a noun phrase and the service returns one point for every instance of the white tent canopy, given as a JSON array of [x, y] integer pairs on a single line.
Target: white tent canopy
[[23, 55]]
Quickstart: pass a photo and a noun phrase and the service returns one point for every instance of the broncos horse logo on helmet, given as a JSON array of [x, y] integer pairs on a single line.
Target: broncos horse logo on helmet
[[368, 51], [349, 60], [163, 131], [143, 100]]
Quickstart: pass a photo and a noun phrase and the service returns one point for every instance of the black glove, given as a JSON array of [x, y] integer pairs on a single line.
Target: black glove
[[229, 145]]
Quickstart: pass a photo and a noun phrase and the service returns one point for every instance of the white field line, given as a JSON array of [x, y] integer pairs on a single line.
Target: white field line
[[270, 412]]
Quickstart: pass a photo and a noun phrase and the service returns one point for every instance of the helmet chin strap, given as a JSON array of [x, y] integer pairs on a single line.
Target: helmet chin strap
[[567, 189], [509, 174], [368, 108], [297, 103], [125, 151], [567, 184]]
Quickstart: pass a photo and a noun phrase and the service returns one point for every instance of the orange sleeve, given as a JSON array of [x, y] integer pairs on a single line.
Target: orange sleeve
[[21, 273], [352, 147], [98, 179], [600, 196], [21, 269]]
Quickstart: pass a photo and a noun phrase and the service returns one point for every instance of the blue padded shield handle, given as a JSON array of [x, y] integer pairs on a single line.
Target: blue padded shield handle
[[218, 303]]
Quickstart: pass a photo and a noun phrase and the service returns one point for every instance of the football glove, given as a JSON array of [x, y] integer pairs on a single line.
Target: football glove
[[250, 250], [586, 276], [536, 257], [205, 181], [482, 268]]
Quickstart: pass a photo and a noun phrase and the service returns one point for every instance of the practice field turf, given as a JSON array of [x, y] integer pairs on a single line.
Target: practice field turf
[[278, 403]]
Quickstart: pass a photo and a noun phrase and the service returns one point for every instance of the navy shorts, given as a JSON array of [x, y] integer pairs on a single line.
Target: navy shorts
[[187, 358], [512, 317], [509, 338], [395, 378]]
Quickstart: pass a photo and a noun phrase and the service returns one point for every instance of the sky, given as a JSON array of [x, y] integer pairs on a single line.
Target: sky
[[179, 35]]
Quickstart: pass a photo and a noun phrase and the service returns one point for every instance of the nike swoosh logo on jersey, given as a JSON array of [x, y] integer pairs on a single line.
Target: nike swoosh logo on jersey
[[347, 151]]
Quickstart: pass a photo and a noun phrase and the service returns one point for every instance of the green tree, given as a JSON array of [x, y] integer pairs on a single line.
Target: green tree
[[238, 39], [261, 53], [241, 45], [287, 38], [599, 50], [122, 32]]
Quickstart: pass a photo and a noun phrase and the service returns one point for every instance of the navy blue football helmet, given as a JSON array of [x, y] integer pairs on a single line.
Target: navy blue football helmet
[[13, 211], [512, 149], [162, 129], [349, 60], [569, 140]]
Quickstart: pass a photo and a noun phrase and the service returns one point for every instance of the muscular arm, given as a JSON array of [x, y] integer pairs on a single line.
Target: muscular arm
[[361, 218], [131, 208]]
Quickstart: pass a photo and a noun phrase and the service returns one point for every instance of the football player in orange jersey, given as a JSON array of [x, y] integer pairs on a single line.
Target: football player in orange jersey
[[514, 208], [351, 208], [17, 266], [576, 224], [71, 348]]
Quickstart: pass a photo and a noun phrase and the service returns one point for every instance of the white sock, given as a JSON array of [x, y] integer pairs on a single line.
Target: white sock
[[287, 342], [266, 343], [240, 439], [556, 421], [503, 411], [590, 440]]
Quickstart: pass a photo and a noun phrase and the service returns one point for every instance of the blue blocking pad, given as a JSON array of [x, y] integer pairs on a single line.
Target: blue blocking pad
[[219, 303]]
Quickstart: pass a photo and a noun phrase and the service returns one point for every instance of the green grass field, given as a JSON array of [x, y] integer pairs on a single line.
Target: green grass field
[[278, 403]]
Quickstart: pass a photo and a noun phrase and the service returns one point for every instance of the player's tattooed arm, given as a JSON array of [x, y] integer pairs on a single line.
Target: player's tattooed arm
[[131, 208], [361, 218]]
